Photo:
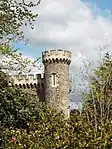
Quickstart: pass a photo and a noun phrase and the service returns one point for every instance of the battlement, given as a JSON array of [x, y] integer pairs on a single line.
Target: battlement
[[52, 87], [27, 79], [56, 55]]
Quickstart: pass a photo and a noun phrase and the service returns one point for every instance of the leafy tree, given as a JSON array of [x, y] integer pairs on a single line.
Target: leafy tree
[[97, 110], [85, 135], [100, 93], [13, 15], [48, 129], [30, 121], [16, 107], [13, 62]]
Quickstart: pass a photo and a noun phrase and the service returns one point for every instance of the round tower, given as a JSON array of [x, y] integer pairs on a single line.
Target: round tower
[[56, 69]]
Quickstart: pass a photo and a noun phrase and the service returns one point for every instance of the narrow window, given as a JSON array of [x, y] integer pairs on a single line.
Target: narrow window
[[54, 79], [35, 85]]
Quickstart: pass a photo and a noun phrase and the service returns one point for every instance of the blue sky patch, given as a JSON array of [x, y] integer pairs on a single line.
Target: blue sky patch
[[35, 51], [29, 50], [102, 4]]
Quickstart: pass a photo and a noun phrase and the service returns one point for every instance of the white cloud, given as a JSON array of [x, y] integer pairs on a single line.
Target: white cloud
[[71, 25]]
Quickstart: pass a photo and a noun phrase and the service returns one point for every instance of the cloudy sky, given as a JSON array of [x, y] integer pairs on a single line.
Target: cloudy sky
[[81, 26], [77, 25]]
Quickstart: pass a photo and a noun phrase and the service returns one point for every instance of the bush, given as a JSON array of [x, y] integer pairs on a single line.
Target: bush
[[29, 124], [50, 131]]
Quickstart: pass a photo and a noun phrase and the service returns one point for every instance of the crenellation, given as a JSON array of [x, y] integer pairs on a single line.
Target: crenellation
[[67, 54], [24, 79], [57, 85], [53, 52], [54, 85], [39, 77], [56, 56], [60, 52]]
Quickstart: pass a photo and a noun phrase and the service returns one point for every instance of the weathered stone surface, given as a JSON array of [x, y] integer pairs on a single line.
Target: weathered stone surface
[[55, 62], [57, 96]]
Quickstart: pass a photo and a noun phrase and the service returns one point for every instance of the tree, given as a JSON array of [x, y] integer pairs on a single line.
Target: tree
[[13, 15], [24, 114], [16, 107], [13, 62], [100, 93], [97, 109], [44, 128], [50, 131]]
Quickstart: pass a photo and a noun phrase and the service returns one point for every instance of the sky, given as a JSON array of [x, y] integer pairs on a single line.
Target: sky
[[102, 4], [81, 26]]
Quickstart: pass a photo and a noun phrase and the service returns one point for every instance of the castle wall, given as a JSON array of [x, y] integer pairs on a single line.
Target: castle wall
[[54, 86], [31, 82], [57, 62], [57, 96]]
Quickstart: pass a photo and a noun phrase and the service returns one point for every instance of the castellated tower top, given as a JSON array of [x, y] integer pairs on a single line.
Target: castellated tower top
[[56, 69], [56, 56]]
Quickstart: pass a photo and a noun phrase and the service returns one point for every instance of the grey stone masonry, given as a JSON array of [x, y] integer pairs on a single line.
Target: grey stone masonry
[[56, 69], [53, 86]]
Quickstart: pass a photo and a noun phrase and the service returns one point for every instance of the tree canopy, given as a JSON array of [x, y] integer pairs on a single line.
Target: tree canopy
[[13, 15], [99, 98], [27, 123]]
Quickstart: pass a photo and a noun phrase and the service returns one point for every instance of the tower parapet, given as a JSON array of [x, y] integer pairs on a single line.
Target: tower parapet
[[57, 85], [56, 55], [27, 79]]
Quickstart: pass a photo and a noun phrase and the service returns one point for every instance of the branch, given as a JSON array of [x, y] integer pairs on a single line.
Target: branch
[[30, 4]]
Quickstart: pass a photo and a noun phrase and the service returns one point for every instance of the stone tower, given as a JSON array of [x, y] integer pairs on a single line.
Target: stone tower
[[56, 69]]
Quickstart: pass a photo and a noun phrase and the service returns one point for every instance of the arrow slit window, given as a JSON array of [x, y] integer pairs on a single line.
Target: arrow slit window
[[54, 79]]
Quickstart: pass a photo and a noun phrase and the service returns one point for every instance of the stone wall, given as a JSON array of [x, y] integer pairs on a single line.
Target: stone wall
[[30, 83], [57, 96], [57, 63], [56, 68]]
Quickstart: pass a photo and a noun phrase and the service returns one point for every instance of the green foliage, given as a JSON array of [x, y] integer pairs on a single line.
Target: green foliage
[[29, 124], [97, 110], [13, 15], [13, 62], [50, 131], [85, 135], [99, 98], [16, 107]]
